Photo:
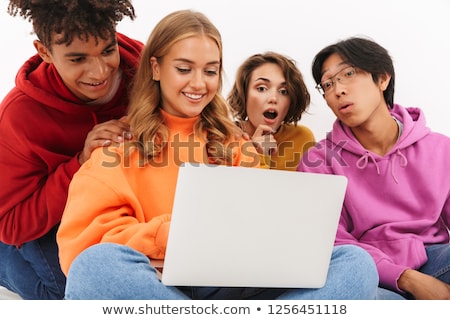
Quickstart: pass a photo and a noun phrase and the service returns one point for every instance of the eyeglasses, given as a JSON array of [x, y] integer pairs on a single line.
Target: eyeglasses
[[344, 76]]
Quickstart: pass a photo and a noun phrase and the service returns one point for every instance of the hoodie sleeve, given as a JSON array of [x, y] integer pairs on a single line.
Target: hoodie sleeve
[[446, 212], [446, 208], [112, 213], [32, 197]]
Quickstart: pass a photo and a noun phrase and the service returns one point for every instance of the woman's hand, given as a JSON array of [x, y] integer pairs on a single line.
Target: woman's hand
[[264, 141]]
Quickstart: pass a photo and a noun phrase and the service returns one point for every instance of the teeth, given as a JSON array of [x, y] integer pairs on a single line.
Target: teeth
[[95, 84], [193, 96]]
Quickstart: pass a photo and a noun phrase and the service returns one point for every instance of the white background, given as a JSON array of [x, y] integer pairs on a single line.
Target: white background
[[416, 33]]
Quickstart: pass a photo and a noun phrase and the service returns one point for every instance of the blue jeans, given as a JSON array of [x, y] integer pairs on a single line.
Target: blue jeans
[[32, 271], [438, 266], [115, 272]]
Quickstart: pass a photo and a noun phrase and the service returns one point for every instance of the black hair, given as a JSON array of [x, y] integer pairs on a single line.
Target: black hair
[[364, 54]]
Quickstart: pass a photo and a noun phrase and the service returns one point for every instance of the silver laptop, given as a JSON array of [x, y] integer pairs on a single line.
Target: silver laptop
[[249, 227]]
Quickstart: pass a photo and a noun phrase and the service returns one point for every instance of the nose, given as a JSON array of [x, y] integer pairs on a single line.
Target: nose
[[197, 80], [339, 88], [273, 96], [97, 68]]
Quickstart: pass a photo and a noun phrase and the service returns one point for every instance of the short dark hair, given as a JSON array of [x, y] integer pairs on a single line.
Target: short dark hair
[[72, 18], [364, 54]]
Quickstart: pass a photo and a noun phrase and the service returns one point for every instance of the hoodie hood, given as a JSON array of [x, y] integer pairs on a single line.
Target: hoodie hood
[[414, 129]]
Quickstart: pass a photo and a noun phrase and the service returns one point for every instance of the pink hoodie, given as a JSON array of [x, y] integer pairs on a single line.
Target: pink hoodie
[[397, 204]]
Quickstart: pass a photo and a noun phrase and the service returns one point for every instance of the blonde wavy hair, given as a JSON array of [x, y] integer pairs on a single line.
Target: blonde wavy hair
[[144, 114]]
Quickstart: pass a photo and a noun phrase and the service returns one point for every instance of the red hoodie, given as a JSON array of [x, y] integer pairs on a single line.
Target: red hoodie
[[43, 127]]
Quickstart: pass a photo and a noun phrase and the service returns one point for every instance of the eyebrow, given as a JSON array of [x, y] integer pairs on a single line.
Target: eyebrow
[[268, 80], [340, 64], [193, 62], [82, 54]]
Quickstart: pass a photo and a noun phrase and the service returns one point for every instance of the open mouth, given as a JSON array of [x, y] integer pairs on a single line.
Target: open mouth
[[270, 114], [345, 106]]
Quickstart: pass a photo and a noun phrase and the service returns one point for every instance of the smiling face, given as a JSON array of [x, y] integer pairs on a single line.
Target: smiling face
[[189, 75], [267, 97], [358, 101], [87, 68]]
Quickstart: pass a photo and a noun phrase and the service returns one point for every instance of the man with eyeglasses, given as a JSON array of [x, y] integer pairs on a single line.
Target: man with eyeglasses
[[397, 204]]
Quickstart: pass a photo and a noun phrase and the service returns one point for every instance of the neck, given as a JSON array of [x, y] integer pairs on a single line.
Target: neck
[[378, 138]]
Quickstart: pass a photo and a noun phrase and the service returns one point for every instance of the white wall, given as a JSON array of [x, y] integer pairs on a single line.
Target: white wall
[[416, 33]]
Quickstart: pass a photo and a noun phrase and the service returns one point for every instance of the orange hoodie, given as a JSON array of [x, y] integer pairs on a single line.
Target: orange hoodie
[[118, 201]]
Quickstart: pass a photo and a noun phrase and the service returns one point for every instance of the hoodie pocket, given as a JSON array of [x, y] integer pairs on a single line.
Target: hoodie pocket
[[409, 252]]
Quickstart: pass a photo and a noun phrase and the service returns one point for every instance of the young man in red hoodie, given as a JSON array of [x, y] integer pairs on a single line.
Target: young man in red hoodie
[[69, 99]]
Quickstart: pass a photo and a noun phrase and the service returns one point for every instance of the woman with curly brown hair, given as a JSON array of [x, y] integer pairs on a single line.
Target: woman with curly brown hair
[[69, 99], [268, 99]]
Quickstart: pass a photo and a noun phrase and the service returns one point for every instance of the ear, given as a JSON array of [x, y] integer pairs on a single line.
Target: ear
[[43, 52], [383, 81], [155, 68]]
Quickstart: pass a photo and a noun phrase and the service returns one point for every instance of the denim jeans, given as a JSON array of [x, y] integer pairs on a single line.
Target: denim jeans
[[116, 272], [32, 271], [438, 266]]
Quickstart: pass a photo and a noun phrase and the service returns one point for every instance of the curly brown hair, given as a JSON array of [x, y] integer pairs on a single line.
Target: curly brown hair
[[72, 18], [297, 90]]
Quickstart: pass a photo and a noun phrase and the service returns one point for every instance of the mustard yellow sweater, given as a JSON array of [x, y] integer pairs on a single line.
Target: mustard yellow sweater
[[293, 142], [118, 201]]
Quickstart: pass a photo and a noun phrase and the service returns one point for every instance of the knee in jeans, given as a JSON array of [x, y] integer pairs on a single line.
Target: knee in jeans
[[361, 259], [94, 257]]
